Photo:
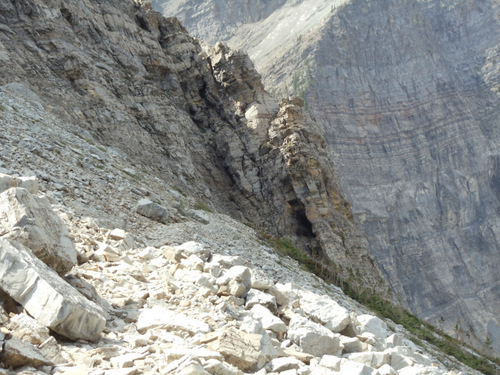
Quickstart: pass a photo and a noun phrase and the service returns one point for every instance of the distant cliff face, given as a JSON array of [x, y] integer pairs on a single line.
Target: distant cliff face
[[408, 95]]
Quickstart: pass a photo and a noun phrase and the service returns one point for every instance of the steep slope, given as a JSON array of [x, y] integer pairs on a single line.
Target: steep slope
[[200, 120], [406, 93], [181, 296]]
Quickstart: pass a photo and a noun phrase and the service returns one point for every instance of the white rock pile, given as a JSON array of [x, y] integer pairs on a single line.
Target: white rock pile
[[193, 308]]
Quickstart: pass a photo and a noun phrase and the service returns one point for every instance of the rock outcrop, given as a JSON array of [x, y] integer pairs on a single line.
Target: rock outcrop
[[407, 96], [199, 119]]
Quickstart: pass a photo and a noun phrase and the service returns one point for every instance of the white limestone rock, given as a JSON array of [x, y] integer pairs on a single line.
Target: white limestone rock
[[195, 248], [269, 321], [351, 344], [31, 221], [256, 296], [241, 349], [325, 310], [125, 239], [237, 281], [283, 364], [348, 367], [152, 210], [173, 354], [387, 370], [28, 183], [159, 316], [193, 262], [313, 338], [393, 340], [45, 296], [7, 182], [214, 366], [372, 324], [400, 355], [330, 362], [371, 359], [27, 329]]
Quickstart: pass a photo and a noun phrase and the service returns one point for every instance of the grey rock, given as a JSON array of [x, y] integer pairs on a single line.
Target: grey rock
[[45, 296], [17, 353], [31, 221], [152, 210]]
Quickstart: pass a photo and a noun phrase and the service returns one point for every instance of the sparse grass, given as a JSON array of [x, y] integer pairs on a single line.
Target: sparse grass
[[202, 206], [2, 108], [422, 330]]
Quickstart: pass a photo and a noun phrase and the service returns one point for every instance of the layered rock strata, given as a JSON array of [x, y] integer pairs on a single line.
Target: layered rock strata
[[407, 95]]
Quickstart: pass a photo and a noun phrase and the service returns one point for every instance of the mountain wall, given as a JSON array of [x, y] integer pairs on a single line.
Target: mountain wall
[[407, 95], [200, 120]]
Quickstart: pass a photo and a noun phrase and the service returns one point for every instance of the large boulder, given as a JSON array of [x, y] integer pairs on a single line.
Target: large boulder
[[30, 220], [241, 349], [313, 338], [152, 210], [47, 297], [325, 310]]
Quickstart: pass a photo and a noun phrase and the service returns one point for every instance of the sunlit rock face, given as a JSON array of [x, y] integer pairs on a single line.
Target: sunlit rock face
[[407, 95]]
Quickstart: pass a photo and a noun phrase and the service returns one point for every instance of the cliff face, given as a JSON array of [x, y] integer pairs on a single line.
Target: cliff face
[[407, 95], [124, 76]]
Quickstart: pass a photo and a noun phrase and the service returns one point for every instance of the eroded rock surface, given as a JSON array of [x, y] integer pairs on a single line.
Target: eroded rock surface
[[45, 296], [30, 220], [407, 96]]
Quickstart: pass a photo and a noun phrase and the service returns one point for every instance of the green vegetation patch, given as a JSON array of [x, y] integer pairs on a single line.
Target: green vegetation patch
[[202, 206]]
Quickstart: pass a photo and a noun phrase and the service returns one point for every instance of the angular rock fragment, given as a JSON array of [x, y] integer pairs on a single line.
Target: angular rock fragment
[[31, 221], [45, 296], [152, 210], [196, 248], [327, 311], [7, 182], [17, 353], [313, 338], [377, 326], [284, 364], [267, 300], [28, 183], [159, 316], [126, 240], [371, 359], [28, 329], [237, 281], [239, 348], [269, 321], [348, 367]]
